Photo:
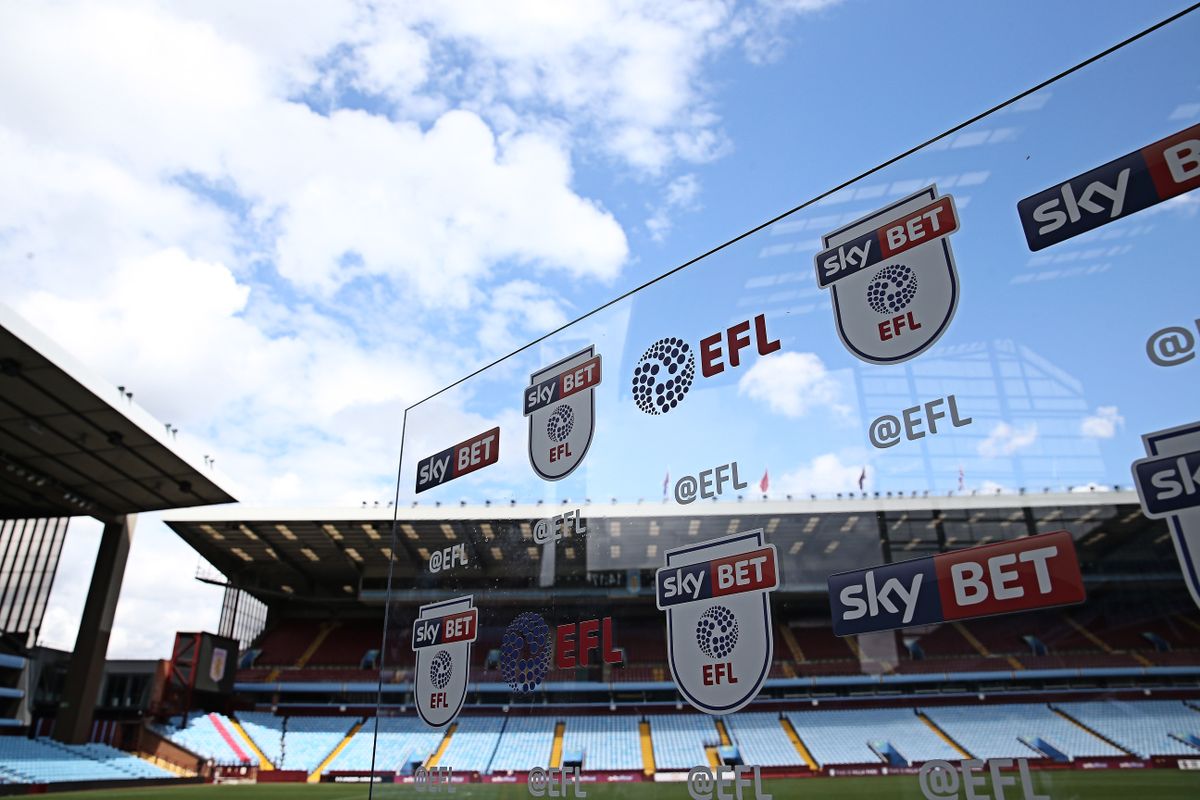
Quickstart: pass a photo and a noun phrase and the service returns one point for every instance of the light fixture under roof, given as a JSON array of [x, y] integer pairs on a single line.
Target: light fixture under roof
[[533, 552], [525, 532], [497, 553], [795, 548], [614, 528], [369, 529], [409, 531], [423, 552], [732, 527], [387, 552], [772, 524], [333, 532], [213, 532], [286, 532], [654, 527], [651, 551], [614, 551], [849, 523], [487, 531], [693, 527], [448, 531], [242, 554], [812, 524], [350, 551], [287, 588], [309, 554], [249, 533], [570, 553], [833, 545]]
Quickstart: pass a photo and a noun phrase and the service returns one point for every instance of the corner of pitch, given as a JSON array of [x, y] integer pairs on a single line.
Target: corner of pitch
[[716, 598]]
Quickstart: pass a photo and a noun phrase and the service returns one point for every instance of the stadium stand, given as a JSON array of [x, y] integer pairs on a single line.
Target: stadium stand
[[1019, 730], [473, 744], [525, 742], [1143, 727], [209, 736], [760, 740], [607, 742], [46, 761], [266, 730], [855, 736], [401, 741], [307, 741], [679, 740]]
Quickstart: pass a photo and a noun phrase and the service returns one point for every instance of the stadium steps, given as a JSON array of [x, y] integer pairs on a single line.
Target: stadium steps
[[264, 763], [1103, 645], [714, 758], [323, 632], [981, 648], [941, 734], [315, 777], [723, 733], [556, 749], [441, 750], [1091, 731], [793, 646], [647, 747], [798, 743], [224, 733]]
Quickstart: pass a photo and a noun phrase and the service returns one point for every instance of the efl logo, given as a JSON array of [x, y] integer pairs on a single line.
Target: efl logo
[[525, 650], [1168, 482], [1131, 183], [560, 404], [442, 637], [665, 372], [892, 278], [719, 619], [1002, 578], [454, 462]]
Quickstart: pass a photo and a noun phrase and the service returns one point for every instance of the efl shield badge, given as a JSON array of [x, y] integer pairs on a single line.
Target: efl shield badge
[[442, 636], [1168, 482], [719, 638], [892, 278], [560, 404]]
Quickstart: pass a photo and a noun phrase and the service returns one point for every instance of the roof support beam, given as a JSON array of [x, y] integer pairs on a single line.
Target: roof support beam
[[85, 673]]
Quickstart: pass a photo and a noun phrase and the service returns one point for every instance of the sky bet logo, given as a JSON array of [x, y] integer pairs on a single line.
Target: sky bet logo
[[1131, 183], [441, 639], [1168, 482], [454, 462], [664, 374], [1033, 572]]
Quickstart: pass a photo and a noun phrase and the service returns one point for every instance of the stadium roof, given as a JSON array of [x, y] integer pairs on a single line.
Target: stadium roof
[[72, 444], [343, 554]]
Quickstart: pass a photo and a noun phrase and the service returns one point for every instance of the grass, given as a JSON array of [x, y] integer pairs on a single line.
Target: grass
[[1161, 784]]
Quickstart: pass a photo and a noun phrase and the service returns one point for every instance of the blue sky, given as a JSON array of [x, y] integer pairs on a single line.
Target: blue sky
[[280, 231]]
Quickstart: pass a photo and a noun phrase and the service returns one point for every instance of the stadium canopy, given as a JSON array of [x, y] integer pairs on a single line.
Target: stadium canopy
[[72, 444], [343, 554]]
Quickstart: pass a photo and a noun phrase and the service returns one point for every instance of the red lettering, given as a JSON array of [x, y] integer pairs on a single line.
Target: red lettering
[[765, 345], [588, 640], [560, 451], [736, 342], [611, 654], [438, 700], [885, 330], [710, 354], [564, 653], [714, 674]]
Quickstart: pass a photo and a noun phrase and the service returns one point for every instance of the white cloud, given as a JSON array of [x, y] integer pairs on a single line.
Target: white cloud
[[681, 194], [792, 384], [280, 229], [1005, 440], [826, 474], [1103, 424]]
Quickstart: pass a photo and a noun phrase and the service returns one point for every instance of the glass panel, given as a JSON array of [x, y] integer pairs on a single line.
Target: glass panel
[[850, 494]]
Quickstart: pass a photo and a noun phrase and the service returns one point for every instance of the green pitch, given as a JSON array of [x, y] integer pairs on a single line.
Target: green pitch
[[1162, 784]]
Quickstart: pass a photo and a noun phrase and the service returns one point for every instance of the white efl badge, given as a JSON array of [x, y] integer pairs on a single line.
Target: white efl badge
[[892, 278], [719, 640], [1168, 483], [442, 636], [560, 404]]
